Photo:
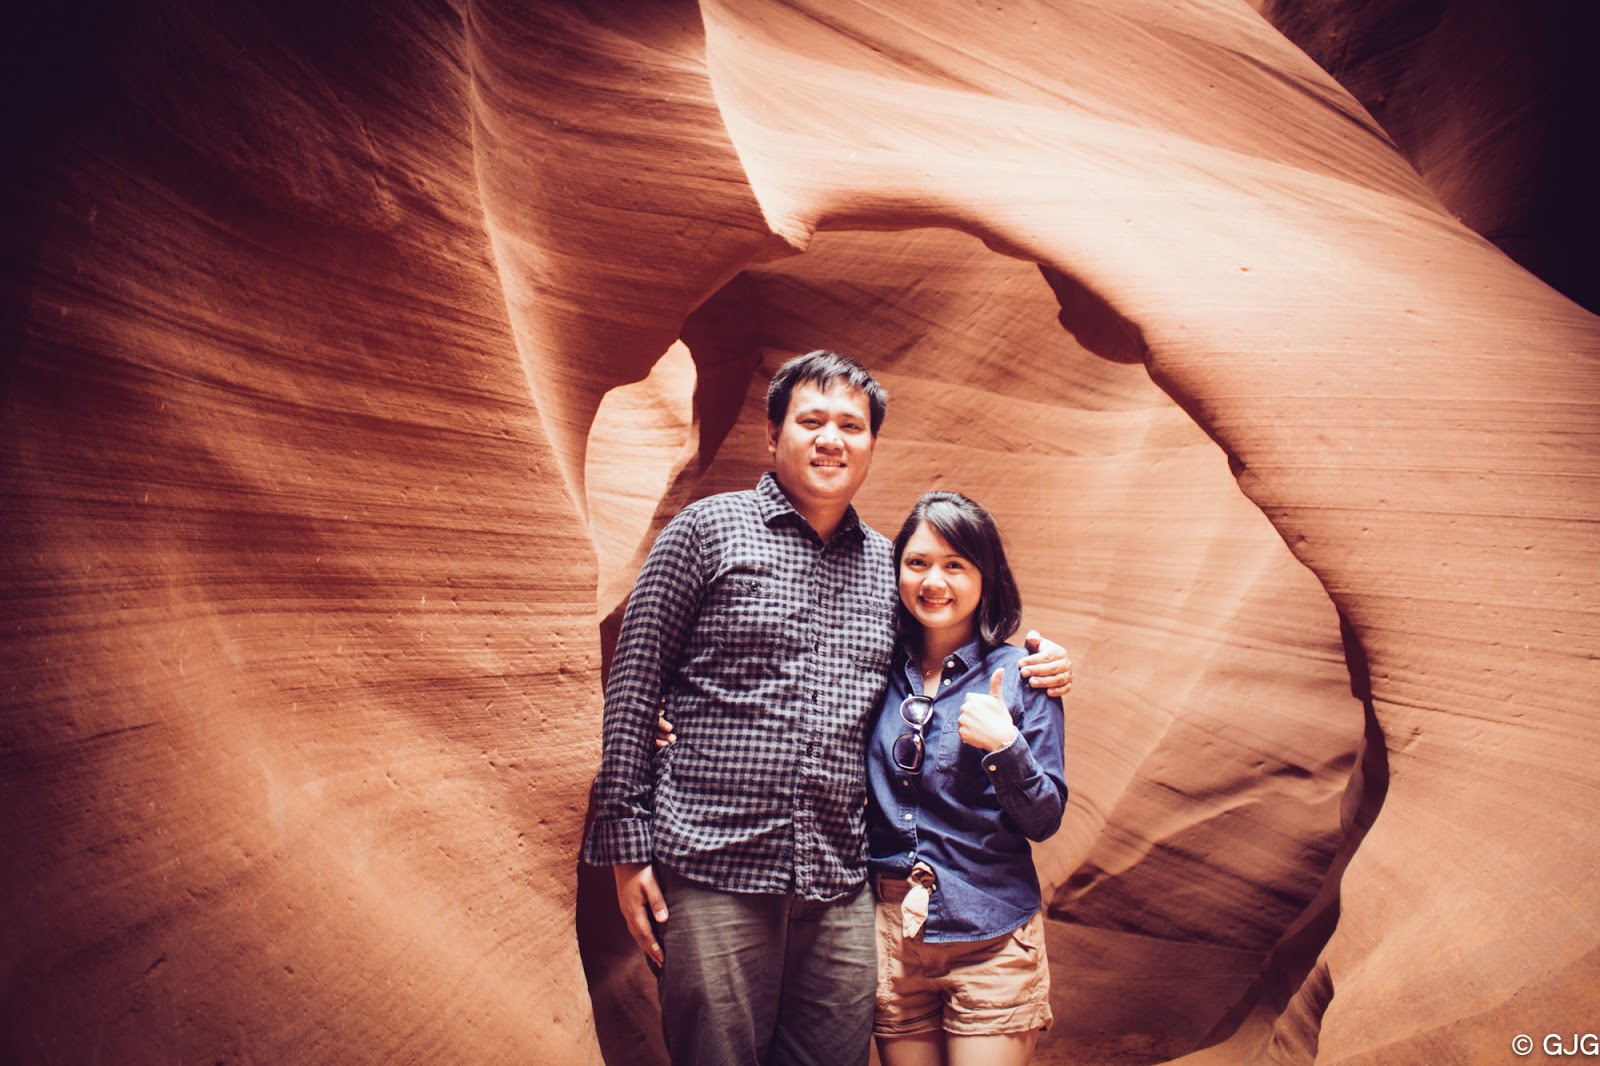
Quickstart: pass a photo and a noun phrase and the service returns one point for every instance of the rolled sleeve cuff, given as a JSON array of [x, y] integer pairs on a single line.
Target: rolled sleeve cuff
[[612, 843], [1012, 763]]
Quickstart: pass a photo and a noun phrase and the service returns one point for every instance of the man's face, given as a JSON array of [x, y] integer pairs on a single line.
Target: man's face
[[823, 449]]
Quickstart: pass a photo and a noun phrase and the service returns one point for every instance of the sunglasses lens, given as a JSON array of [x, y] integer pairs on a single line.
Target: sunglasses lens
[[908, 753], [916, 710]]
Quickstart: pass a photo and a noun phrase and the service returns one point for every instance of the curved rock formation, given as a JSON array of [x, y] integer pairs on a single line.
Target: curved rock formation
[[353, 358]]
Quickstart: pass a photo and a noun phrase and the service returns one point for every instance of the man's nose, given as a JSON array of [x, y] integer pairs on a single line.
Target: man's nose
[[829, 434]]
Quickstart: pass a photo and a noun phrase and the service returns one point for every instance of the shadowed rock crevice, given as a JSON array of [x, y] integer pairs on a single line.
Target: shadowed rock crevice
[[1285, 1005], [1497, 136], [1092, 321]]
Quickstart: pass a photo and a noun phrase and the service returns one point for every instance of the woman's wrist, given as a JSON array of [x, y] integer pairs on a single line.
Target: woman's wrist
[[1015, 733]]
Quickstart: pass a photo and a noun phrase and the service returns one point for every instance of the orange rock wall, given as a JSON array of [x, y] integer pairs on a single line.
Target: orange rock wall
[[295, 609], [355, 355]]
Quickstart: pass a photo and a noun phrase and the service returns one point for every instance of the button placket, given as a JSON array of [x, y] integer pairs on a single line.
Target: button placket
[[943, 753]]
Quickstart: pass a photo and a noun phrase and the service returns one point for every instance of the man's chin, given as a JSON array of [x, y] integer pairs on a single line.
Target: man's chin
[[831, 479]]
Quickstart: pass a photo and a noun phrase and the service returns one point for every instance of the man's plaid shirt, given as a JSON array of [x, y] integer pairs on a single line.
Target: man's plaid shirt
[[769, 652]]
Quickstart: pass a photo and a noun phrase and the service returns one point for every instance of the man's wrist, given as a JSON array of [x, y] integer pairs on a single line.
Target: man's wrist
[[618, 843]]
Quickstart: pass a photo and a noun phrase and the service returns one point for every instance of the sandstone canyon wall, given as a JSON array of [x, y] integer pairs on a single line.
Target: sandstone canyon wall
[[353, 354]]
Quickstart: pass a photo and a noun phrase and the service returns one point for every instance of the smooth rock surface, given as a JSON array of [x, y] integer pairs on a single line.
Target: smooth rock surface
[[353, 356]]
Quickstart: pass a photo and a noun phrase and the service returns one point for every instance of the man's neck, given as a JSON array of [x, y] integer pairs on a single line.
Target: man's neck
[[824, 520], [826, 525]]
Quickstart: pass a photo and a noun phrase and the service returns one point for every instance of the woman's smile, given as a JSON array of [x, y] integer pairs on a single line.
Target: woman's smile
[[940, 587]]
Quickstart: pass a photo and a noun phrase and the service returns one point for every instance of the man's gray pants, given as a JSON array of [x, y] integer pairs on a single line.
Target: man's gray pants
[[765, 980]]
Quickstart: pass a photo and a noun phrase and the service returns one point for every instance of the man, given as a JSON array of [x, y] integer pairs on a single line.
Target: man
[[761, 625]]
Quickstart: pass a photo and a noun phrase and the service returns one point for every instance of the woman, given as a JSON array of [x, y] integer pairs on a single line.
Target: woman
[[964, 769]]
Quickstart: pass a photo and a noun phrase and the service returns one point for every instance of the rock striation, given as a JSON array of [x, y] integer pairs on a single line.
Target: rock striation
[[353, 358]]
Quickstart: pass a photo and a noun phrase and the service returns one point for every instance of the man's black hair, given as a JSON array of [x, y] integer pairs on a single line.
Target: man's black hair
[[823, 369]]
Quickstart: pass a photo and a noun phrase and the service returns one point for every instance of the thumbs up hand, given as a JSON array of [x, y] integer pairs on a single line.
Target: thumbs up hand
[[985, 723]]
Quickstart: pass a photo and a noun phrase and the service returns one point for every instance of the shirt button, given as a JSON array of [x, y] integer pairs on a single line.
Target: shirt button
[[991, 767], [905, 817], [947, 680], [949, 664]]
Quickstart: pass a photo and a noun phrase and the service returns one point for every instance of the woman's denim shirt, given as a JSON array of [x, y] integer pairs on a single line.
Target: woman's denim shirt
[[967, 815]]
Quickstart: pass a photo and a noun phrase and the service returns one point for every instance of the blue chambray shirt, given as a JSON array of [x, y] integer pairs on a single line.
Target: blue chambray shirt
[[767, 650], [968, 815]]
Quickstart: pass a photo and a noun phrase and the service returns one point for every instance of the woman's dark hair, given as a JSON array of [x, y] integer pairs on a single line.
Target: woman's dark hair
[[970, 531], [822, 368]]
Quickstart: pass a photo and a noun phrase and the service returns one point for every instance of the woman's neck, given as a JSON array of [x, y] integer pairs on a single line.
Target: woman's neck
[[937, 646]]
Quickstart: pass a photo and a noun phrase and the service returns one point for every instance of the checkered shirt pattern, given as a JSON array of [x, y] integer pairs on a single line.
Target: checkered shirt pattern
[[768, 651]]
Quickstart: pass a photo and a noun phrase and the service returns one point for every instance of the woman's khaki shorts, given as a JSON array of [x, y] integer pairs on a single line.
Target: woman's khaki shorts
[[976, 988]]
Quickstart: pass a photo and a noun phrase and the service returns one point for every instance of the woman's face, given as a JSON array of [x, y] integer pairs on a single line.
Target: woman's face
[[939, 587]]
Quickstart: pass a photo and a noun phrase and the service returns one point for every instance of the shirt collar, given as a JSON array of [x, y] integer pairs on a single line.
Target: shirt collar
[[773, 505], [965, 657]]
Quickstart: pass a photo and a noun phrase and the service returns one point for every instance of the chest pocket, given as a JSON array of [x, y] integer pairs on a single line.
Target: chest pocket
[[746, 617], [869, 637]]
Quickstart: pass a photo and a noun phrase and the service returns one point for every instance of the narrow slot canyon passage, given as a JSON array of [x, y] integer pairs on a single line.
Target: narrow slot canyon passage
[[350, 358]]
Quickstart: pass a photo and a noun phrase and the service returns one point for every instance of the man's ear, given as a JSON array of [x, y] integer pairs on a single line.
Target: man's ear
[[772, 437]]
